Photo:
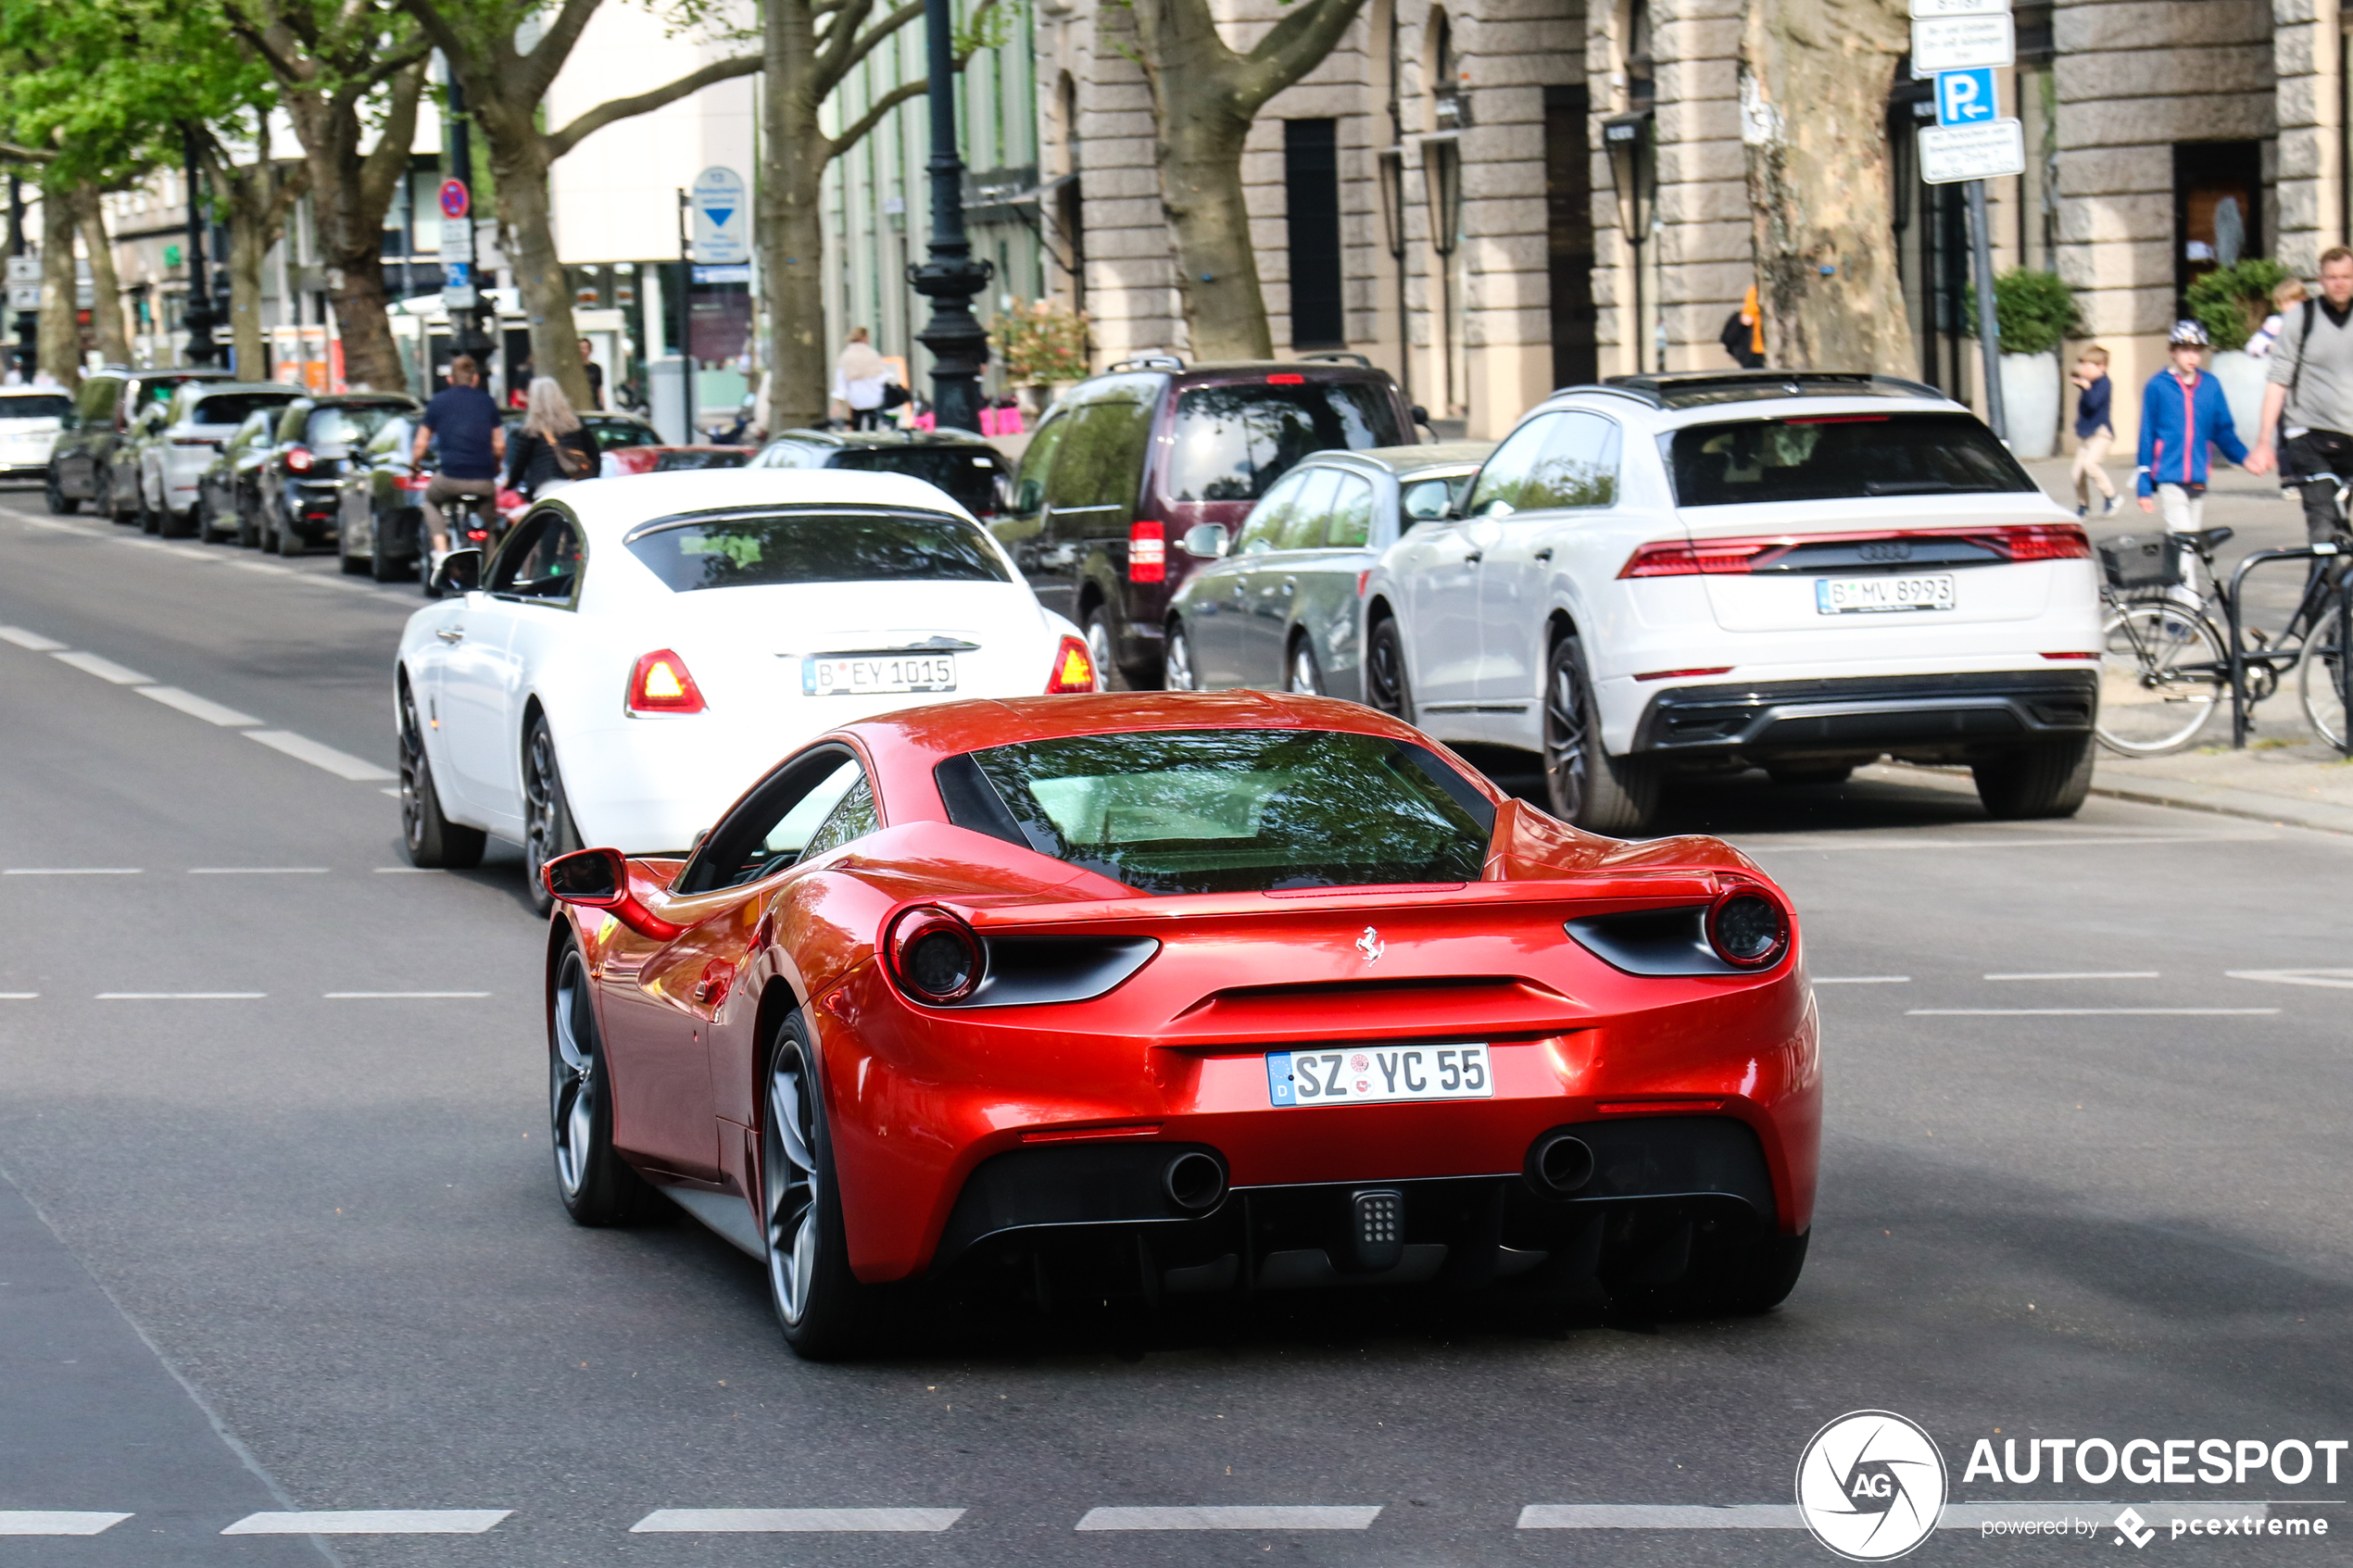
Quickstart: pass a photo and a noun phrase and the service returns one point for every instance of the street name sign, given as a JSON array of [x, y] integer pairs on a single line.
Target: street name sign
[[1992, 149], [722, 225], [1966, 97], [1941, 43]]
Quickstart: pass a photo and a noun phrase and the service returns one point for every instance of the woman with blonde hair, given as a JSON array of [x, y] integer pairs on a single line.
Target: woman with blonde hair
[[553, 448]]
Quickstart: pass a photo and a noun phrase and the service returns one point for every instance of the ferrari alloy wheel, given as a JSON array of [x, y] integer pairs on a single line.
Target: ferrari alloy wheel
[[820, 1305], [548, 830], [596, 1183], [1181, 676], [430, 838], [1306, 677], [1385, 688], [1104, 652], [1586, 785]]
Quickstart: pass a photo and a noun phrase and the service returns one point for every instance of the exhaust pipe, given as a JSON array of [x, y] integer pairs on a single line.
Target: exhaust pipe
[[1559, 1164], [1195, 1182]]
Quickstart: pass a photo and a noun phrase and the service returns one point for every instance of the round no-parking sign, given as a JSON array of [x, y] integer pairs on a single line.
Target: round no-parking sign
[[455, 202]]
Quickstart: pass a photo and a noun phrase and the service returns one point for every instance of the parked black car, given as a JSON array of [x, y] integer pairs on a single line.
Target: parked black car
[[94, 460], [229, 491], [968, 467], [316, 438], [1125, 463]]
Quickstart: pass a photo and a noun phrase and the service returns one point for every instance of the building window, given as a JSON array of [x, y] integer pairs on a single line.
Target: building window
[[1311, 179]]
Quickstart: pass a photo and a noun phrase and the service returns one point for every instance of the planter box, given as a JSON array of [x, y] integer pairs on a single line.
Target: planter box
[[2242, 377], [2031, 402]]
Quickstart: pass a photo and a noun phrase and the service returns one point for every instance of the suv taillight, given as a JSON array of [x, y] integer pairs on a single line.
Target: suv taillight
[[1147, 553], [661, 684]]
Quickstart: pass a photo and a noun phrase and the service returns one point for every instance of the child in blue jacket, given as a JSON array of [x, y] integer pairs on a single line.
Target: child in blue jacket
[[2182, 413]]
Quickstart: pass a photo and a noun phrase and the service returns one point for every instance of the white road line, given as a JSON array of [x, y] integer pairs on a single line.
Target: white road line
[[38, 1521], [104, 669], [53, 525], [304, 750], [197, 706], [372, 1522], [257, 871], [750, 1521], [2084, 974], [401, 996], [1660, 1516], [1246, 1518], [20, 995], [2337, 979], [180, 996], [32, 640], [2090, 1012], [70, 870], [1862, 980], [264, 568]]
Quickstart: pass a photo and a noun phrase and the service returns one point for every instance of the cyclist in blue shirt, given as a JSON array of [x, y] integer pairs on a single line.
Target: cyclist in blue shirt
[[474, 442]]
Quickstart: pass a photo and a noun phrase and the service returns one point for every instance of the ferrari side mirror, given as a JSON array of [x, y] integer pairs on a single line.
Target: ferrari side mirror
[[598, 879]]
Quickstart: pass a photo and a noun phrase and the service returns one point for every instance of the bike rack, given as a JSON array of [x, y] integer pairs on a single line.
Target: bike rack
[[2241, 721]]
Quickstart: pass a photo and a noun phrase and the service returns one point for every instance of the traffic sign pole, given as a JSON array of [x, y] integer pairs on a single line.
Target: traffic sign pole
[[1989, 326]]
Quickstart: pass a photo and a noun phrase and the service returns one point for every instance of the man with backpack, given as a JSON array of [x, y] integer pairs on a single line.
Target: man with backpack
[[2310, 399]]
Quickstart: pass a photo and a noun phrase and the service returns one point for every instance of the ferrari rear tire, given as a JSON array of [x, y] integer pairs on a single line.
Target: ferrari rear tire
[[1386, 688], [1616, 796], [548, 829], [596, 1185], [431, 838], [2052, 779], [822, 1310]]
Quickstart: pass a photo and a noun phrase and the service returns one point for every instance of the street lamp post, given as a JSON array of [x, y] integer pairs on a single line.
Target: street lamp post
[[950, 278], [199, 317]]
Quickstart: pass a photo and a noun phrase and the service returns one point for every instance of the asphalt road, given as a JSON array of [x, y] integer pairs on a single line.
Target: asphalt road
[[278, 1233]]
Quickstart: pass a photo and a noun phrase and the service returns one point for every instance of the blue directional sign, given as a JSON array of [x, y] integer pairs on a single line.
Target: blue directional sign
[[723, 225], [1966, 97]]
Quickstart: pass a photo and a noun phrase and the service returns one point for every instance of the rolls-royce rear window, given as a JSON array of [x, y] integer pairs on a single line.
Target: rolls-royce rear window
[[817, 544]]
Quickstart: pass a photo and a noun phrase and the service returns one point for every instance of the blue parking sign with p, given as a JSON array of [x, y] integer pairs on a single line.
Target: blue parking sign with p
[[1965, 98]]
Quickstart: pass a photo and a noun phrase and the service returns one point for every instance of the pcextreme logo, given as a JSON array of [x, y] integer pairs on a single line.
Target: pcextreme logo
[[1870, 1485]]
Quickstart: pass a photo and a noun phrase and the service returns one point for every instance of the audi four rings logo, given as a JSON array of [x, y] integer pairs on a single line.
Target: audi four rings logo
[[1371, 945], [1887, 549], [1870, 1485]]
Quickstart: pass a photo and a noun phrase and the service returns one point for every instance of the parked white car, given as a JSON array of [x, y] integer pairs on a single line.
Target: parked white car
[[30, 421], [639, 650], [182, 438], [1797, 571]]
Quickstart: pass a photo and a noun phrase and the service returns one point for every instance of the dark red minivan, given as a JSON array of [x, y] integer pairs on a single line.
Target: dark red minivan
[[1125, 463]]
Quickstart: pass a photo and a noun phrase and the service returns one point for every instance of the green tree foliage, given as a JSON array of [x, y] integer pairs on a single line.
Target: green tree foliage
[[2034, 311]]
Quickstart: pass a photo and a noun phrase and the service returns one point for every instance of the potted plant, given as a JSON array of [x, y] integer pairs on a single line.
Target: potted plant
[[2231, 303], [1042, 344], [2034, 311]]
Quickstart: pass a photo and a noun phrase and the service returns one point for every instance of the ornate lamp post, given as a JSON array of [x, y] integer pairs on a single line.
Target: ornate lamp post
[[199, 317], [950, 278]]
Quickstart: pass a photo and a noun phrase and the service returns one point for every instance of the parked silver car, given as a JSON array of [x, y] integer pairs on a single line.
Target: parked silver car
[[1278, 611], [177, 441]]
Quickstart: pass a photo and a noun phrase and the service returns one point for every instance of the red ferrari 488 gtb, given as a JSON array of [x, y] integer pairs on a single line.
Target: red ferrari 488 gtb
[[1160, 996]]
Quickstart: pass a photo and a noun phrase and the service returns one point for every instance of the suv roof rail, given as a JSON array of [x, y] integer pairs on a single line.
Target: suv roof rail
[[1156, 359], [1693, 388], [1339, 357]]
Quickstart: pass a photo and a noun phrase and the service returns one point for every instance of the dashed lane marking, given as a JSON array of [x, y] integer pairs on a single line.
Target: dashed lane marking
[[257, 871], [2084, 974], [41, 1522], [20, 995], [2336, 979], [197, 706], [2090, 1012], [1660, 1516], [104, 669], [402, 995], [371, 1521], [266, 567], [32, 640], [70, 870], [756, 1520], [1244, 1518], [1863, 979], [180, 996], [304, 750]]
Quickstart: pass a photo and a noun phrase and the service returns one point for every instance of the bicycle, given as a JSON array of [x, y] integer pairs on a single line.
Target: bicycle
[[2165, 665]]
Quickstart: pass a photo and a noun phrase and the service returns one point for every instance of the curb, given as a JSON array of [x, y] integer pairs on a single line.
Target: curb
[[2215, 799]]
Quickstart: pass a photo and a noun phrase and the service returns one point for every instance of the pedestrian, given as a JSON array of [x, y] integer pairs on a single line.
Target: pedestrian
[[2094, 429], [596, 373], [2307, 408], [860, 377], [472, 440], [1743, 333], [2183, 413], [553, 449], [2285, 297]]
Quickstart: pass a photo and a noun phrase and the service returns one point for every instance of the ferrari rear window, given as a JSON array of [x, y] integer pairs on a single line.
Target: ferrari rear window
[[817, 544], [1229, 810]]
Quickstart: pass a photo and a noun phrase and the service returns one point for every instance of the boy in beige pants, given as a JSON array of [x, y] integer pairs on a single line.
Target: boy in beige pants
[[2094, 428]]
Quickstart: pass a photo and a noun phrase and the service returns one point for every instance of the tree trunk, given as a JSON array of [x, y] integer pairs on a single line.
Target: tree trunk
[[1200, 177], [1814, 82], [259, 194], [528, 236], [106, 286], [59, 340], [356, 288], [791, 235], [349, 209]]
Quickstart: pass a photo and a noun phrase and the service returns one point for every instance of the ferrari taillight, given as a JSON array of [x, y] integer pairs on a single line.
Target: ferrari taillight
[[932, 956], [1073, 669], [661, 684], [298, 459], [1747, 927], [1147, 553]]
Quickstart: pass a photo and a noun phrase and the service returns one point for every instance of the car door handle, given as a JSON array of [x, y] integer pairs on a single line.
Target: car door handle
[[451, 633], [1544, 554], [1473, 558]]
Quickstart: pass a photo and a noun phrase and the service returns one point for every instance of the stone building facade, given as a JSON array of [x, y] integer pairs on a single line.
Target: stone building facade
[[1483, 252]]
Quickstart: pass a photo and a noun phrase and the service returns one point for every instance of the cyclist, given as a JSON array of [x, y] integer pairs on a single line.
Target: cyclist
[[473, 444], [2309, 398]]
